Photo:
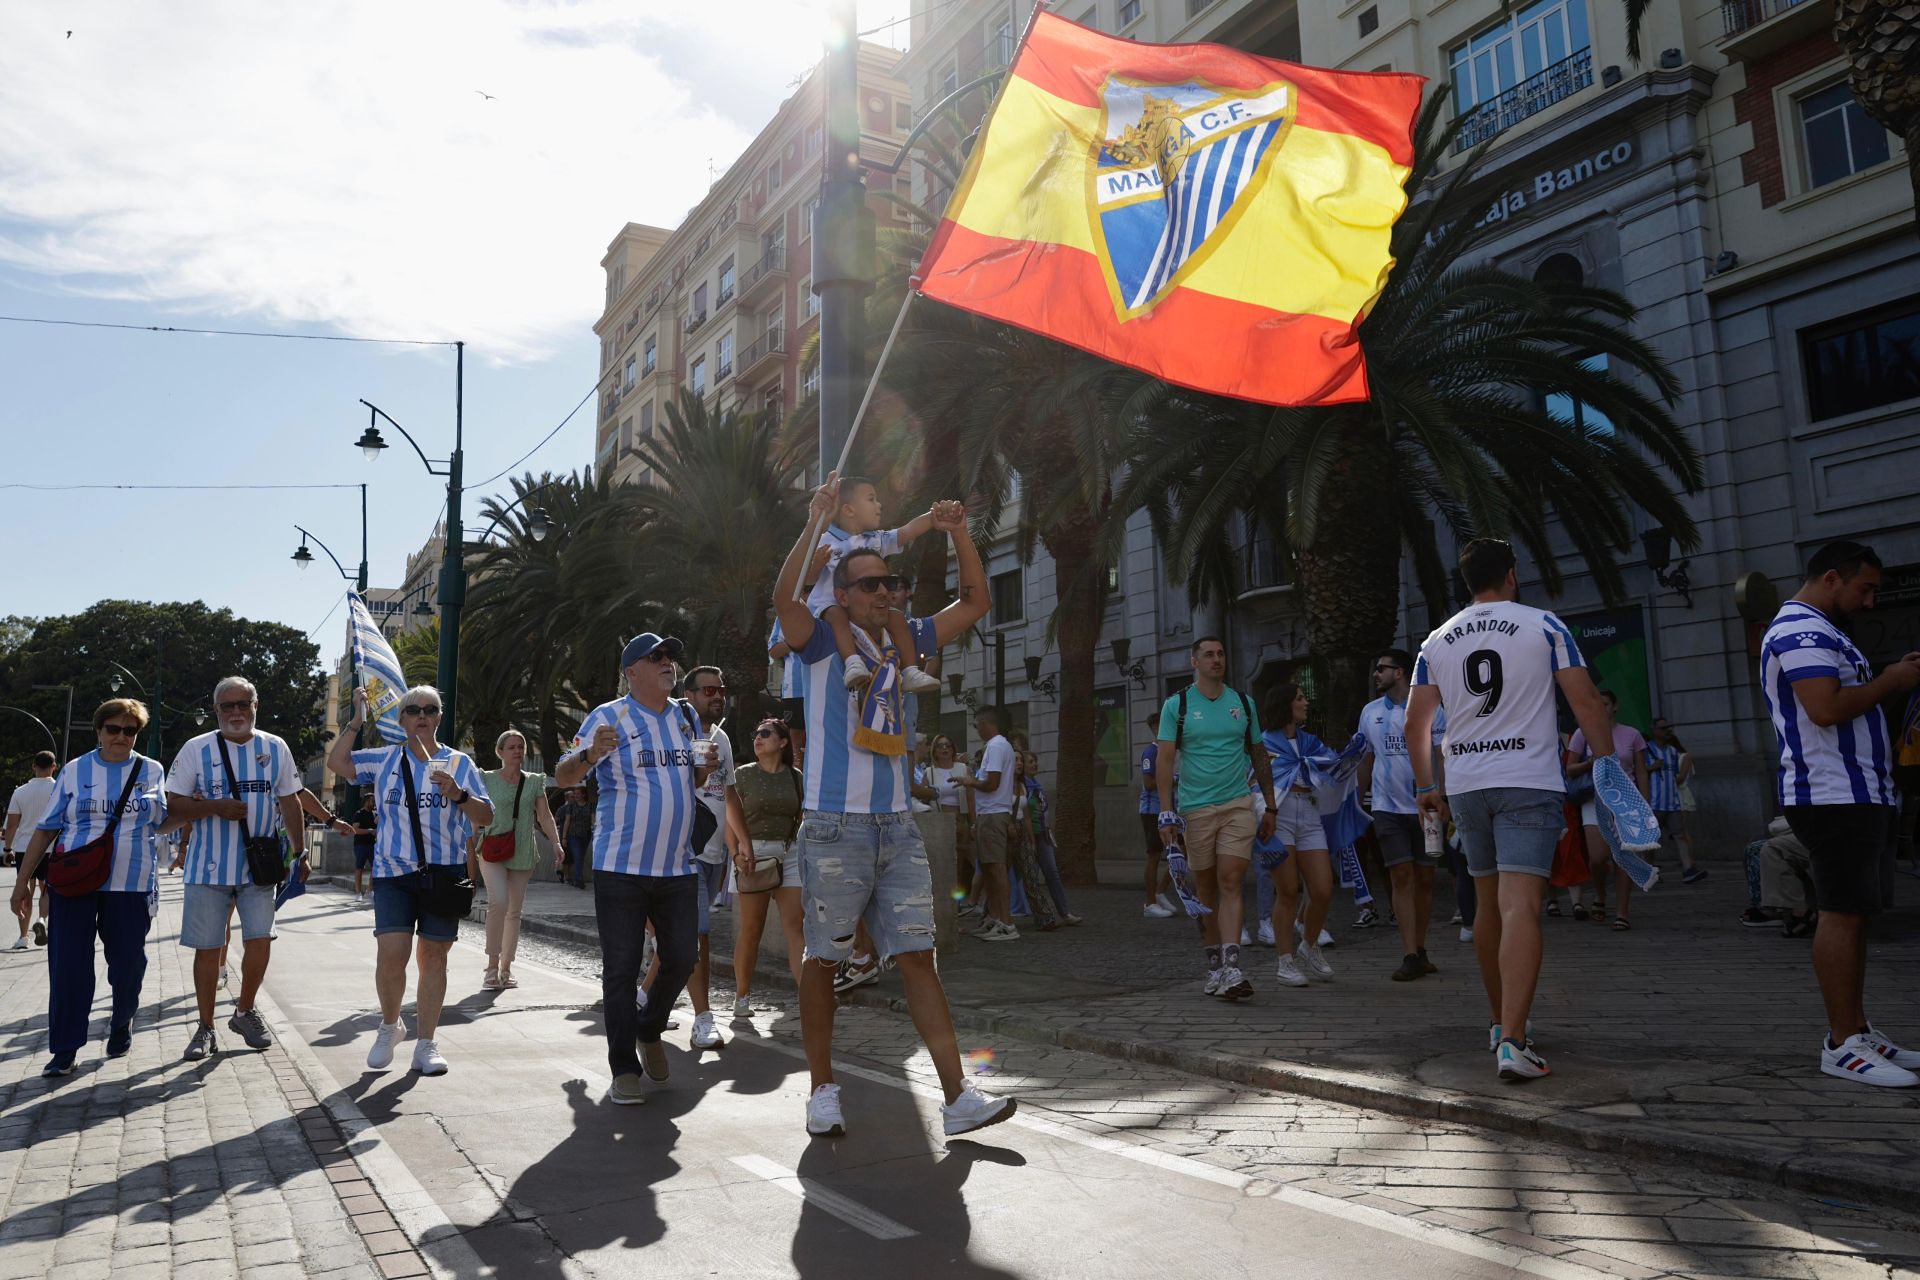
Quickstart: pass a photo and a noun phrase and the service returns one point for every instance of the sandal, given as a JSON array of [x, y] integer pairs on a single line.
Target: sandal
[[508, 981], [1579, 912], [1553, 909], [1620, 924], [491, 982]]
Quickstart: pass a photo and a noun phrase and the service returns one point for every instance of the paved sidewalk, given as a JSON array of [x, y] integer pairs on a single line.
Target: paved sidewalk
[[1688, 1039], [150, 1166]]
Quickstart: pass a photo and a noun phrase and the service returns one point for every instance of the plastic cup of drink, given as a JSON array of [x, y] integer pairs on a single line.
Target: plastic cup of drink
[[439, 766]]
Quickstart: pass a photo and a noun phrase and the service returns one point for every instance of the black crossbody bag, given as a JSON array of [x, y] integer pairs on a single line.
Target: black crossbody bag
[[444, 891], [264, 862]]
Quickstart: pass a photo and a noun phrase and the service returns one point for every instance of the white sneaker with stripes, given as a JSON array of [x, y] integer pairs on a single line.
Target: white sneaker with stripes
[[1858, 1058]]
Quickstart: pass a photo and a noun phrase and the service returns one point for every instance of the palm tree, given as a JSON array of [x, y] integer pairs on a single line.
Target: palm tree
[[722, 510], [1882, 40], [1472, 372]]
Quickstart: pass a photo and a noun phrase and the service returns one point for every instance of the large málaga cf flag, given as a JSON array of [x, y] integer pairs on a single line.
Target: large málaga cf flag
[[379, 669], [1213, 218]]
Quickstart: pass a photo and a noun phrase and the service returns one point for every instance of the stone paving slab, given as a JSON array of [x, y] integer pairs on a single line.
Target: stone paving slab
[[1690, 1038], [149, 1165]]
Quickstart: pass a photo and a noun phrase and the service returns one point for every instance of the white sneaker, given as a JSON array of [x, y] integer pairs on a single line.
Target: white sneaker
[[1168, 903], [1512, 1062], [1904, 1058], [1266, 933], [973, 1110], [427, 1060], [823, 1113], [857, 675], [223, 975], [1326, 939], [1246, 939], [999, 931], [1311, 961], [742, 1012], [1466, 933], [20, 943], [705, 1034], [1457, 918], [1213, 982], [1859, 1058], [1234, 985], [1493, 1036], [1289, 972], [1152, 911], [914, 680], [380, 1057]]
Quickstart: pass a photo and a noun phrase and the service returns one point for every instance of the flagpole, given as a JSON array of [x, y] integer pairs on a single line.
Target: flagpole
[[816, 525]]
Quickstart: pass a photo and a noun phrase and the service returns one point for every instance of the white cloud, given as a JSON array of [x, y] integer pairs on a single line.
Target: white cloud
[[332, 164]]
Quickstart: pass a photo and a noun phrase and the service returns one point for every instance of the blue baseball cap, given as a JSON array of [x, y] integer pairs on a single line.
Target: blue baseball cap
[[645, 643]]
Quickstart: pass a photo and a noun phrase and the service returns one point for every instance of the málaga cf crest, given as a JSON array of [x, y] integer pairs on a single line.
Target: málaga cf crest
[[1176, 166]]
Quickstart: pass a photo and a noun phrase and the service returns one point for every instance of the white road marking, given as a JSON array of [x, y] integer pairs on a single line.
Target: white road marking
[[814, 1192]]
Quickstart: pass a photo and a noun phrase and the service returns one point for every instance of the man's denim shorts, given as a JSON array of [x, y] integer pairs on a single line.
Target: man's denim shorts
[[396, 909], [206, 908], [865, 866], [1512, 829], [713, 878]]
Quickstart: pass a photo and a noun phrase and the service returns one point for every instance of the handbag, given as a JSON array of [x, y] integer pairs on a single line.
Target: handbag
[[499, 848], [75, 872], [766, 875], [444, 891], [264, 863]]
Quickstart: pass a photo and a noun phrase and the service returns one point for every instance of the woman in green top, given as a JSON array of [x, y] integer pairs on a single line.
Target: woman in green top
[[519, 802], [769, 790]]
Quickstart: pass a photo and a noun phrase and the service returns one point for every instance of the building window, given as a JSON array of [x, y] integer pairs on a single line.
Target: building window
[[725, 357], [646, 421], [773, 179], [812, 384], [1091, 18], [814, 136], [949, 80], [1863, 364], [809, 300], [632, 371], [1577, 411], [626, 434], [726, 280], [1837, 136], [1009, 596], [1517, 49], [902, 116], [1194, 7], [650, 358], [698, 380], [1129, 13], [1369, 21], [772, 401], [1000, 46], [807, 219]]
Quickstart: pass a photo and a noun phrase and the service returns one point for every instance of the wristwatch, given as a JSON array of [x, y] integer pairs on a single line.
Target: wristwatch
[[464, 796]]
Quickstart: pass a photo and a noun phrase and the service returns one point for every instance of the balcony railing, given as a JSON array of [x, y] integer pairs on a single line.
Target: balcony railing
[[695, 321], [1738, 15], [1264, 565], [1534, 94], [771, 267], [772, 345]]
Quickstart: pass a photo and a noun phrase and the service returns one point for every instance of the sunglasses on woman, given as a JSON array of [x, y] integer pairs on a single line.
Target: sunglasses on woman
[[120, 730], [766, 733], [412, 709]]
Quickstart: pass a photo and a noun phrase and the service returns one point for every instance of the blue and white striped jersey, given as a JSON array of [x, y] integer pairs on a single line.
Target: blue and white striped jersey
[[84, 793], [843, 778], [884, 541], [264, 767], [1663, 784], [1841, 764], [1494, 663], [644, 823], [1383, 723], [445, 829], [792, 683]]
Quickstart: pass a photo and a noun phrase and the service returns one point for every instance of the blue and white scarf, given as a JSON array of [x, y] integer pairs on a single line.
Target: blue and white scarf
[[1626, 821], [883, 710]]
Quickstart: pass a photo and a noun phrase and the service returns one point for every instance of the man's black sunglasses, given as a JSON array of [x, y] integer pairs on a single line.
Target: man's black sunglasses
[[881, 582]]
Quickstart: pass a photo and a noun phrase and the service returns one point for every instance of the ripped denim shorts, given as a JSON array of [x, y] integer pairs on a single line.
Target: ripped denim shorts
[[870, 866]]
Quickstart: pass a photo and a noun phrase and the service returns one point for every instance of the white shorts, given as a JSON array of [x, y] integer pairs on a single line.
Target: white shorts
[[1297, 823]]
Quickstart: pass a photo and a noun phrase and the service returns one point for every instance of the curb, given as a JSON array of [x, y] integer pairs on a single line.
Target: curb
[[1709, 1153]]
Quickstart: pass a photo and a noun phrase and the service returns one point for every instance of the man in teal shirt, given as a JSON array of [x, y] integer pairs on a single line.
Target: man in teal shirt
[[1215, 735]]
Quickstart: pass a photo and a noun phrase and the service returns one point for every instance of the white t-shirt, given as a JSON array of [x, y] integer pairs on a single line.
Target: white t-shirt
[[996, 758], [29, 804], [884, 541], [713, 794], [1494, 665], [941, 779]]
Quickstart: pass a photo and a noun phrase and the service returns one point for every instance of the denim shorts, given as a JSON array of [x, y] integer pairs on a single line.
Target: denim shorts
[[362, 856], [206, 908], [713, 878], [1401, 839], [396, 909], [865, 866], [788, 851], [1510, 829], [1297, 823]]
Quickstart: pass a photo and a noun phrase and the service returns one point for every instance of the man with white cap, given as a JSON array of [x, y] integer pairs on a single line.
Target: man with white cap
[[648, 757]]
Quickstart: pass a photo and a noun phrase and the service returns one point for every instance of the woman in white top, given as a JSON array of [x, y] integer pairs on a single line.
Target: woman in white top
[[936, 786]]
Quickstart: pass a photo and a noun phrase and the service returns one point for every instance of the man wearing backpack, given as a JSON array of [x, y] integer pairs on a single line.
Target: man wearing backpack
[[1212, 736]]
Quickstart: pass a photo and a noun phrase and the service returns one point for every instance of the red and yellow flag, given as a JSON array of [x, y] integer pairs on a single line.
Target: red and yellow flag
[[1213, 218]]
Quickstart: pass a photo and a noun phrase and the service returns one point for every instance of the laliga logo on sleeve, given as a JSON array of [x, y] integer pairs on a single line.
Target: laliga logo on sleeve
[[1176, 166]]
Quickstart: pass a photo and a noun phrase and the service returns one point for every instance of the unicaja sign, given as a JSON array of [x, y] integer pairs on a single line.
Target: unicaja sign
[[1551, 182]]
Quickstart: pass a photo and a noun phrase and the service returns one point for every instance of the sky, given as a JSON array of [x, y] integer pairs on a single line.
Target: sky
[[331, 170]]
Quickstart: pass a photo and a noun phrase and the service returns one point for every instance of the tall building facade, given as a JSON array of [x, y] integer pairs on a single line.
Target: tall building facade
[[1729, 185], [723, 305]]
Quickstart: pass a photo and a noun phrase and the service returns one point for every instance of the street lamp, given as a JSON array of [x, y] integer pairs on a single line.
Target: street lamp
[[453, 573], [1135, 671], [1039, 683]]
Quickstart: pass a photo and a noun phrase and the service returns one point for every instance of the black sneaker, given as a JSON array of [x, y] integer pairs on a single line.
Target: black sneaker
[[119, 1040], [1755, 918], [201, 1045], [1430, 965], [1367, 919], [251, 1027], [60, 1064], [1693, 875], [1410, 968]]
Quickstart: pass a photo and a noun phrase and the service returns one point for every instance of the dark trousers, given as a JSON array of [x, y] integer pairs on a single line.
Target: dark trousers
[[119, 920], [579, 854], [623, 906], [1465, 900]]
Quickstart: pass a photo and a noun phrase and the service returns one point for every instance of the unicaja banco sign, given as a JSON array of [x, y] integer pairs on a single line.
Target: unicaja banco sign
[[1549, 183]]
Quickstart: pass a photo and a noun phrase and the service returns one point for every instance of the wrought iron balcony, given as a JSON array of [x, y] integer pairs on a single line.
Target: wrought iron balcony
[[1264, 566], [770, 269], [1738, 15], [1534, 94], [769, 348]]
